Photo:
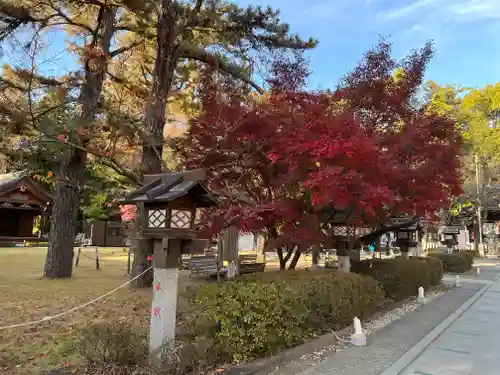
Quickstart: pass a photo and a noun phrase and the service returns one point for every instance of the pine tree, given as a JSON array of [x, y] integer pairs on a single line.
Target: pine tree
[[233, 35], [97, 24]]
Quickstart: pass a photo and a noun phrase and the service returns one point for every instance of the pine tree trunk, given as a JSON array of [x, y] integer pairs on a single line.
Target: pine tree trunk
[[152, 149], [59, 261], [142, 248]]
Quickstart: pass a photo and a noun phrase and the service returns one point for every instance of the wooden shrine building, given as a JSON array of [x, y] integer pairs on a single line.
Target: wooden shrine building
[[109, 233], [492, 204], [21, 201]]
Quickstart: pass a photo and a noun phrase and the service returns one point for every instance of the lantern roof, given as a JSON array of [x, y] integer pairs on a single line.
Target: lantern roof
[[405, 223], [166, 187]]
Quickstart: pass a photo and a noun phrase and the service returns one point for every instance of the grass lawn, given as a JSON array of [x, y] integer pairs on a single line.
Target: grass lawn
[[27, 296]]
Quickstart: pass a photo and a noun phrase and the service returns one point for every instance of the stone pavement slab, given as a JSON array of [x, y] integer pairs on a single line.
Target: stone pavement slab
[[388, 344], [469, 346]]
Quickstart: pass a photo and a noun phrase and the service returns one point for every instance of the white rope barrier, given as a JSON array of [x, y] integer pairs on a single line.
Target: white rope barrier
[[52, 317]]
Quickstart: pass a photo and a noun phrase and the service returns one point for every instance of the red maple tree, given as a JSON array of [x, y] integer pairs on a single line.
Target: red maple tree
[[280, 161], [234, 138]]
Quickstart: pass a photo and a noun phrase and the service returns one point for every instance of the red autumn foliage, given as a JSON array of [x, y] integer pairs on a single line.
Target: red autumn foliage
[[128, 212], [234, 140], [277, 162], [378, 153]]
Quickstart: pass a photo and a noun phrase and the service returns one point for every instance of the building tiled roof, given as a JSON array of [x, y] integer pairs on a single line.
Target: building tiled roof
[[10, 181]]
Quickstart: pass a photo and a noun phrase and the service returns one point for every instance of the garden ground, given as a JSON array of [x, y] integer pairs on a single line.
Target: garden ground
[[26, 296]]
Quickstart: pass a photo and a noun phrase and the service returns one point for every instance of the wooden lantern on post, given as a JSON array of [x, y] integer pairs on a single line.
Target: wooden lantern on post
[[167, 205], [406, 237], [342, 233], [449, 237]]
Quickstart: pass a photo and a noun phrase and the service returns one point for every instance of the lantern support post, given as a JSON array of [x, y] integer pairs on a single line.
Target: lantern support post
[[166, 209]]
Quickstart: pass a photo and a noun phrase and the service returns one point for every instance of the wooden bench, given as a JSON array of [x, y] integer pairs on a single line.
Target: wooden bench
[[248, 264], [246, 268], [248, 258], [204, 265]]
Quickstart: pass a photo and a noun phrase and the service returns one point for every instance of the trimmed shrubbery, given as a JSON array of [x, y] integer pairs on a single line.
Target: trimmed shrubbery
[[456, 263], [258, 315], [400, 278], [255, 316], [436, 269]]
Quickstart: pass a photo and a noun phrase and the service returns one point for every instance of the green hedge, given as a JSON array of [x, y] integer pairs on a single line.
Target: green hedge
[[255, 316], [470, 255], [400, 278], [436, 269], [457, 262]]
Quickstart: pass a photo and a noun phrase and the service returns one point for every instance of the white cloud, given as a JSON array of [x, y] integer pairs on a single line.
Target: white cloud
[[445, 10], [474, 10], [405, 10]]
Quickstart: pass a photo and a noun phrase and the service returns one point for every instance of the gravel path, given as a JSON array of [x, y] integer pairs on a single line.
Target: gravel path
[[383, 321]]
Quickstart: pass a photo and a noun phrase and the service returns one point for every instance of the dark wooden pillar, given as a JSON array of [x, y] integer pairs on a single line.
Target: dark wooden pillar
[[230, 247]]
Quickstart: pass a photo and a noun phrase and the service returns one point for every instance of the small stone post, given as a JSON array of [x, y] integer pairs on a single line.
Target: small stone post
[[478, 271], [421, 296], [457, 281], [231, 269], [164, 306], [358, 338]]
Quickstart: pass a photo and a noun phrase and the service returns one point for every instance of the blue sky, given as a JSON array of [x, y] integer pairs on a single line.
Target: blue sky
[[465, 33]]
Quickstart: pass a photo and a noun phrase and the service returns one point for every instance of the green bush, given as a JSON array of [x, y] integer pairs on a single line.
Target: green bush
[[457, 262], [257, 315], [400, 278], [114, 343], [470, 255], [435, 268]]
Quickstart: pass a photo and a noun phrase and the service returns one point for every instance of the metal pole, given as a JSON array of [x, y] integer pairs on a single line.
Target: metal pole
[[479, 218]]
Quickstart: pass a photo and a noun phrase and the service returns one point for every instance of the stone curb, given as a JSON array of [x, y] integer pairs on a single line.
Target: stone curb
[[403, 362]]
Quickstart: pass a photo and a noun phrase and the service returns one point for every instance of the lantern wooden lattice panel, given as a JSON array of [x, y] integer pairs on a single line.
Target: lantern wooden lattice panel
[[180, 219], [343, 230], [157, 218]]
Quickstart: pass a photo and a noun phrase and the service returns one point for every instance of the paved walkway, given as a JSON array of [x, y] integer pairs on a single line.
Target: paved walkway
[[469, 345], [388, 344], [456, 334]]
